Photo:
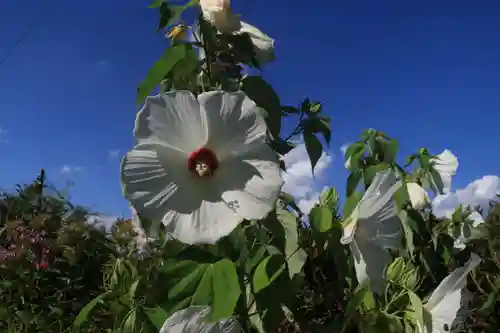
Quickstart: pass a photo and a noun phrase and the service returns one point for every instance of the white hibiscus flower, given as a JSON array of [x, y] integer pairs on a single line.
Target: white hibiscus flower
[[445, 166], [373, 227], [418, 196], [195, 320], [201, 165], [446, 309], [219, 13]]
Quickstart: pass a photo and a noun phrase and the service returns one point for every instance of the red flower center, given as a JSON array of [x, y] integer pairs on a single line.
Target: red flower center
[[203, 162]]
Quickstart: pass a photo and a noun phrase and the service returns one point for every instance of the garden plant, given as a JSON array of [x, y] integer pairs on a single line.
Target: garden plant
[[215, 245]]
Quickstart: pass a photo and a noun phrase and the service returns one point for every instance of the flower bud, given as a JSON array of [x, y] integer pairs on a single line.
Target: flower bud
[[177, 33], [418, 196]]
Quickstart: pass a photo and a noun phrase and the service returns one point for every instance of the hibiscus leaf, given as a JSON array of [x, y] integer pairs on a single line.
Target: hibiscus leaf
[[267, 271], [156, 316], [296, 257], [84, 313], [351, 203], [169, 14], [205, 283], [263, 94], [226, 289], [313, 147], [353, 181], [321, 219], [160, 69]]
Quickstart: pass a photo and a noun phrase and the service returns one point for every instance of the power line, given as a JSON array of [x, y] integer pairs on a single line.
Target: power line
[[35, 20]]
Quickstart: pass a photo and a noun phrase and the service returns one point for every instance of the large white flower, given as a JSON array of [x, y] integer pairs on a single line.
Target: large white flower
[[195, 320], [445, 167], [219, 13], [418, 196], [201, 165], [446, 309], [372, 228]]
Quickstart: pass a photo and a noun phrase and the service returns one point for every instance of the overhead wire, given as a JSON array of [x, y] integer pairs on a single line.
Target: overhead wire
[[32, 24]]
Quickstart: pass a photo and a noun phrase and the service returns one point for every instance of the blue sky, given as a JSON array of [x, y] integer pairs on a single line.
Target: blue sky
[[426, 73]]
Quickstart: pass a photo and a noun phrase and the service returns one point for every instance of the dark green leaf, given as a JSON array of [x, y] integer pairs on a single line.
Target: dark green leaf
[[313, 147], [84, 313], [355, 301], [156, 316], [160, 69], [263, 94], [169, 14], [352, 182], [268, 270]]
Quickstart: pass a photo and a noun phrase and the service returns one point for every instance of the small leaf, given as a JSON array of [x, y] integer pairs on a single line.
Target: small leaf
[[84, 313], [355, 301], [169, 14], [314, 149], [156, 316], [321, 219], [415, 310]]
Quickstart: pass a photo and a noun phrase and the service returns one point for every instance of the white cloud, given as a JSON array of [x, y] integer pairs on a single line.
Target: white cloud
[[114, 153], [67, 169], [478, 193], [299, 180], [344, 147], [103, 220]]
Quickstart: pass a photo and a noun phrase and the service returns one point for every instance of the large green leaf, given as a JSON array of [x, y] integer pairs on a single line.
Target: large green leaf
[[353, 181], [268, 270], [263, 94], [203, 283], [296, 257], [160, 69]]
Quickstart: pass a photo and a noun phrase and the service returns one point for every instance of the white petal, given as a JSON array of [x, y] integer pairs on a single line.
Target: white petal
[[454, 281], [418, 196], [263, 44], [370, 262], [219, 13], [234, 123], [378, 228], [206, 224], [195, 320], [447, 305], [172, 119], [155, 179], [378, 195], [450, 313], [445, 165], [349, 229], [251, 183]]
